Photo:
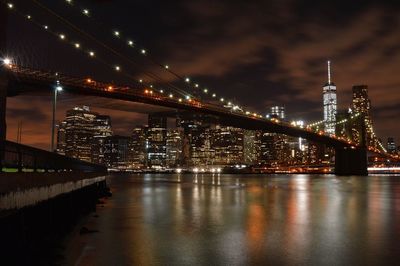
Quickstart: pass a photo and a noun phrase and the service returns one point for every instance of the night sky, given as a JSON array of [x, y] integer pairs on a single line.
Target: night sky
[[260, 53]]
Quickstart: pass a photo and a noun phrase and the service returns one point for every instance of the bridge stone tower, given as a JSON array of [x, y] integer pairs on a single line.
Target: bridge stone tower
[[3, 77], [349, 161]]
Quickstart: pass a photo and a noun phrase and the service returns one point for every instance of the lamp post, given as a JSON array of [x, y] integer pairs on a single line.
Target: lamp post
[[56, 90]]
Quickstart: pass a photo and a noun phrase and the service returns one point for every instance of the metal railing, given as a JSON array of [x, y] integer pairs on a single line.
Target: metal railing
[[21, 158]]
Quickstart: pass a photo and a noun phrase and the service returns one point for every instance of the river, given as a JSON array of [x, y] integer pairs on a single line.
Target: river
[[167, 219]]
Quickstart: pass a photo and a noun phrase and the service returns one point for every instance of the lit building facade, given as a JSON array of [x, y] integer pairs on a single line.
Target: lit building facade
[[174, 147], [137, 148], [274, 149], [197, 149], [227, 144], [251, 147], [117, 153], [81, 134], [156, 141], [61, 137], [362, 104], [101, 130], [277, 112], [330, 104]]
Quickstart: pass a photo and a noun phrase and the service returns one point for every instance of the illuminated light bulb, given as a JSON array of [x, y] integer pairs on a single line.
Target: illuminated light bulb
[[130, 43], [62, 36], [77, 45], [143, 51], [196, 85], [151, 86], [222, 99], [10, 5], [162, 91], [229, 103], [85, 12], [146, 91], [214, 95], [46, 27], [91, 53], [187, 79], [117, 68], [205, 90], [171, 96], [28, 17], [180, 100], [187, 97], [116, 33], [69, 1], [110, 88], [141, 80], [7, 61], [166, 66], [88, 80], [59, 88]]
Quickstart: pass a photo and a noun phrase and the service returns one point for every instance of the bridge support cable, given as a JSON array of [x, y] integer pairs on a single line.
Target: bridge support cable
[[91, 53], [89, 36]]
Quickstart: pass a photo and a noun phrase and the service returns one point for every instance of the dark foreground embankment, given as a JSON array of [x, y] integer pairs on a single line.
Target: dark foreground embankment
[[33, 235]]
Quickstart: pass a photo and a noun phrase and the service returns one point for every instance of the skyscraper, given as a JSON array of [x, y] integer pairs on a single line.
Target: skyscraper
[[197, 149], [362, 104], [330, 103], [101, 130], [227, 143], [156, 141], [117, 152], [137, 148], [174, 147], [61, 137], [251, 146], [81, 134]]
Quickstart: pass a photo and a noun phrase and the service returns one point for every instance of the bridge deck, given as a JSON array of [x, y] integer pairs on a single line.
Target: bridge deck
[[26, 80]]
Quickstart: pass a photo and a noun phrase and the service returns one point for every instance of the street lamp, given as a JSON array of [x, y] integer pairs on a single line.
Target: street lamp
[[57, 89]]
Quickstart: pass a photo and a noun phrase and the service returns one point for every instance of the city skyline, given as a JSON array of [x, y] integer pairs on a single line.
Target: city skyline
[[288, 69], [199, 132]]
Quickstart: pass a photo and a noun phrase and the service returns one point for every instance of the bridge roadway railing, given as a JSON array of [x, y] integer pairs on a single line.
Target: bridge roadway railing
[[21, 158]]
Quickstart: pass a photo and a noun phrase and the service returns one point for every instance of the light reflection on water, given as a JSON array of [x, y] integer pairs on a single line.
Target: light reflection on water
[[251, 219]]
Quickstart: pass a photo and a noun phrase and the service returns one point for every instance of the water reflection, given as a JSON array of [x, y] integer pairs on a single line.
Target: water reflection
[[229, 220]]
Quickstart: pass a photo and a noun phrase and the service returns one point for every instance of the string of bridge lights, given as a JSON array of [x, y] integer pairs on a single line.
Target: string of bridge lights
[[90, 52], [318, 123], [370, 128], [377, 139], [129, 41], [118, 68]]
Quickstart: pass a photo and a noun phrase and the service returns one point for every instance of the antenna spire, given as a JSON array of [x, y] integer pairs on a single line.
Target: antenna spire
[[329, 72]]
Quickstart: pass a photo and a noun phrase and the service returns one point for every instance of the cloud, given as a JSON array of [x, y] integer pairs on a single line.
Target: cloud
[[361, 38]]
